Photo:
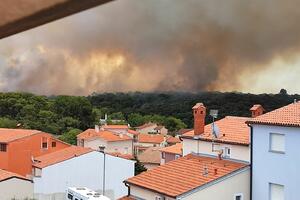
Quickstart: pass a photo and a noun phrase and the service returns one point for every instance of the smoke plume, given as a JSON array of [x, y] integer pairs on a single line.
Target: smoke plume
[[151, 45]]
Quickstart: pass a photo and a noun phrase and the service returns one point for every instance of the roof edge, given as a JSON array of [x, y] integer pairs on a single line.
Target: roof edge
[[210, 140]]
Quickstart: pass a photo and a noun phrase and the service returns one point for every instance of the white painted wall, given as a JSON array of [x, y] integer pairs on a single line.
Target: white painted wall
[[16, 188], [84, 171], [238, 152], [277, 168], [125, 147], [225, 189]]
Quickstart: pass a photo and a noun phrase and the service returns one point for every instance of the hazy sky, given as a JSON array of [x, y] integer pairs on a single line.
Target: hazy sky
[[150, 45]]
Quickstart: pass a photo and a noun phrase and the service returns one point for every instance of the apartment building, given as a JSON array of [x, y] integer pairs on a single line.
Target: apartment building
[[18, 148], [275, 154], [14, 186], [193, 177], [110, 141], [232, 139], [80, 167]]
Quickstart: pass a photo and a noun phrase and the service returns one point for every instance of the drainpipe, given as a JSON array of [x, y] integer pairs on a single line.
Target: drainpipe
[[127, 185], [251, 159]]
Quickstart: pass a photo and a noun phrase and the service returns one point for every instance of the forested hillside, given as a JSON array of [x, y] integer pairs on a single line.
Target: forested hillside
[[60, 114]]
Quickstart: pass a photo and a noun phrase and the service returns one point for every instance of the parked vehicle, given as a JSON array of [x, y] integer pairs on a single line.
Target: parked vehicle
[[83, 193]]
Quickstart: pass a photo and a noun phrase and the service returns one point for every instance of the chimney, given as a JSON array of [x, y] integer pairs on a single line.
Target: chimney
[[199, 112], [97, 128], [257, 110]]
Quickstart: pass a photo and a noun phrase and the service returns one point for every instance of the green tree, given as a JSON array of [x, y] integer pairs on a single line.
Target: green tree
[[7, 123], [139, 167], [70, 136]]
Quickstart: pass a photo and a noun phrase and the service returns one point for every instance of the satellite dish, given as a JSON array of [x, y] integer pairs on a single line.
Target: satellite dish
[[213, 113], [215, 130]]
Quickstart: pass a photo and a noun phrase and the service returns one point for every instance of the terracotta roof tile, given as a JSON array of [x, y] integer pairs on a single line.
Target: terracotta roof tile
[[184, 174], [146, 125], [150, 138], [233, 130], [115, 126], [125, 156], [150, 155], [4, 175], [173, 140], [285, 116], [9, 135], [105, 135], [60, 156], [133, 132], [174, 149]]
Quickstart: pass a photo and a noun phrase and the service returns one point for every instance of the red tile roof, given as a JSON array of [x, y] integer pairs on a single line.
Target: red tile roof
[[146, 125], [9, 135], [115, 126], [174, 149], [233, 130], [285, 116], [4, 175], [184, 174], [105, 135], [150, 138], [120, 155], [151, 155], [173, 140], [60, 156], [133, 132]]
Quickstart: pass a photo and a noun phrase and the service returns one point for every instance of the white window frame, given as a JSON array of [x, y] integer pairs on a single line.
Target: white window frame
[[237, 195], [270, 143], [227, 155], [270, 184]]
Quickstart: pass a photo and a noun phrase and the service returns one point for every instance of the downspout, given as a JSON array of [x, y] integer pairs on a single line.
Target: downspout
[[251, 159], [127, 185]]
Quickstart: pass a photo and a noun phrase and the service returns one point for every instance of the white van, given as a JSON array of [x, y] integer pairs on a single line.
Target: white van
[[83, 193]]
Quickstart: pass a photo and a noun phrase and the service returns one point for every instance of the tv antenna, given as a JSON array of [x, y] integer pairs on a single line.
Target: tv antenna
[[215, 129]]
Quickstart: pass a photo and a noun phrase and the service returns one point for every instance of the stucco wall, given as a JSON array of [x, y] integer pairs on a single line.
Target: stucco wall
[[238, 152], [269, 167], [223, 190], [16, 188], [226, 189], [147, 129], [84, 171], [125, 147]]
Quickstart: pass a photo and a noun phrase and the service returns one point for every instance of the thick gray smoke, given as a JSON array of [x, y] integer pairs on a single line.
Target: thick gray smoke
[[150, 45]]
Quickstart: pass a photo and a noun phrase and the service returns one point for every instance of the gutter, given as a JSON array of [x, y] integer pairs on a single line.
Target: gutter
[[128, 186]]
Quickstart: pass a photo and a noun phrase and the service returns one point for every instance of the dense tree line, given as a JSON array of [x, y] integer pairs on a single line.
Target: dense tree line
[[63, 114]]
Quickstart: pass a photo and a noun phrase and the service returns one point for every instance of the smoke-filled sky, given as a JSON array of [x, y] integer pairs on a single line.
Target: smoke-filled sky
[[159, 45]]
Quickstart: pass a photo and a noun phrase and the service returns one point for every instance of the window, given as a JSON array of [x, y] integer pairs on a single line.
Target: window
[[44, 143], [238, 197], [227, 152], [70, 196], [177, 156], [3, 147], [163, 155], [277, 142], [53, 144], [276, 191], [159, 198]]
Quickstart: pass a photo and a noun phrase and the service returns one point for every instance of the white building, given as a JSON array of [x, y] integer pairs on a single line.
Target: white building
[[14, 186], [80, 167], [193, 177], [232, 141], [111, 142], [275, 154]]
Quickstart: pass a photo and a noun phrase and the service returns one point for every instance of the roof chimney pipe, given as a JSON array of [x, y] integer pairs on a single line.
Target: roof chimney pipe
[[257, 110], [199, 112]]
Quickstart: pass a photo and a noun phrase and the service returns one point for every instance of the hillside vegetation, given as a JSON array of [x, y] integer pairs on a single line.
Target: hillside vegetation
[[62, 114]]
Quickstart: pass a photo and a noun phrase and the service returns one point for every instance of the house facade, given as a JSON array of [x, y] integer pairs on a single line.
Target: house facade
[[147, 128], [80, 167], [145, 141], [232, 139], [150, 158], [170, 153], [193, 177], [275, 154], [14, 186], [18, 147], [111, 142]]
